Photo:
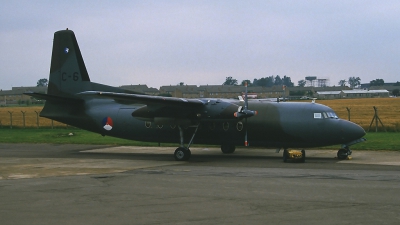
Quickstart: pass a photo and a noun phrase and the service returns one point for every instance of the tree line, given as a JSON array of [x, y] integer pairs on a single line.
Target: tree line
[[270, 81], [264, 82]]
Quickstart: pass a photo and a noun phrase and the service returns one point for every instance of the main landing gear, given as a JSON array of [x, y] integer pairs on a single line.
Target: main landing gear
[[183, 153], [228, 148]]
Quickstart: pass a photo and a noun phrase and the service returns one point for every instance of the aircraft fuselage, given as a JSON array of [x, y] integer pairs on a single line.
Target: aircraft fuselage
[[278, 124]]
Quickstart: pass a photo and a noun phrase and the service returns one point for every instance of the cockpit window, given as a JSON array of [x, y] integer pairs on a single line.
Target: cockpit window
[[325, 115], [332, 115]]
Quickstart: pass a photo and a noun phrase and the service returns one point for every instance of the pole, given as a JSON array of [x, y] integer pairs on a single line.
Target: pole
[[11, 125], [23, 118], [37, 119], [348, 112]]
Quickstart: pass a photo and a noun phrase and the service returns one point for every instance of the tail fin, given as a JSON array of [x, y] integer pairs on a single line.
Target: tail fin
[[68, 74]]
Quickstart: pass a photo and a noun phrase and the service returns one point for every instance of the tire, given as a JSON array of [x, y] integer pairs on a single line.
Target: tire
[[182, 154], [228, 149], [285, 155], [342, 154], [303, 156]]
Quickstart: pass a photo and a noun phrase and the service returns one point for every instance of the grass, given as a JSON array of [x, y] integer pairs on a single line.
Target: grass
[[375, 141], [62, 136]]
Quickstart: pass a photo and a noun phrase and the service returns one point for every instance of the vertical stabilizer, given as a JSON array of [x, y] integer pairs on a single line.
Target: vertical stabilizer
[[68, 74]]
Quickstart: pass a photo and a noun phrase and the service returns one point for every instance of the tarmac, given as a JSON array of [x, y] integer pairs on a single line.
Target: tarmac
[[86, 184]]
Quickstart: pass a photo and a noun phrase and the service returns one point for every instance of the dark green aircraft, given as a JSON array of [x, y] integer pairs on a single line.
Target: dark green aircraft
[[73, 99]]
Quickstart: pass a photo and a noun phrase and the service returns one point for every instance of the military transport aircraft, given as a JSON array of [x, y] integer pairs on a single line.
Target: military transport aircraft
[[73, 99]]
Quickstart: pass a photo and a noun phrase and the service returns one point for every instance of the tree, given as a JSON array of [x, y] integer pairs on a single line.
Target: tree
[[301, 83], [278, 80], [230, 81], [181, 83], [248, 82], [264, 82], [397, 84], [377, 82], [354, 81], [287, 81], [42, 83], [342, 83]]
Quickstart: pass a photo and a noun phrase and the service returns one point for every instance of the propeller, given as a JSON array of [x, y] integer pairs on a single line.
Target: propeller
[[245, 113]]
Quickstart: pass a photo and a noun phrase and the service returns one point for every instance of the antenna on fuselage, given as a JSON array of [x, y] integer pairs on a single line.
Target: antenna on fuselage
[[313, 100]]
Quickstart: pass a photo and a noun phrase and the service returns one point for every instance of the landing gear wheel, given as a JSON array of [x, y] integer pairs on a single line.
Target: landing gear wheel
[[182, 154], [228, 149], [303, 156], [285, 155], [342, 154]]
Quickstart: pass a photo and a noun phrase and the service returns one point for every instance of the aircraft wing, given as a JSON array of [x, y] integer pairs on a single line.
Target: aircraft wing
[[170, 108]]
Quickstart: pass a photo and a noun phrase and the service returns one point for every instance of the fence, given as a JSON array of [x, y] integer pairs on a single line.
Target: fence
[[28, 117], [25, 117]]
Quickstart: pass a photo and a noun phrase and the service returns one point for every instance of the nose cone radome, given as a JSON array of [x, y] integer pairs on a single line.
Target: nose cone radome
[[351, 131]]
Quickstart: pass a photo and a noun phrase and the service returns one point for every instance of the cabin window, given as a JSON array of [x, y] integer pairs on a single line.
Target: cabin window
[[147, 124], [225, 126], [317, 116], [239, 126]]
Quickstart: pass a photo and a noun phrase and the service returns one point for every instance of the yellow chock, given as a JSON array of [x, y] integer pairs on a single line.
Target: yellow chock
[[349, 158]]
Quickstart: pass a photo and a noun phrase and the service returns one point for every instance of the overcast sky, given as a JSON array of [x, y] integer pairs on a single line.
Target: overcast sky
[[203, 42]]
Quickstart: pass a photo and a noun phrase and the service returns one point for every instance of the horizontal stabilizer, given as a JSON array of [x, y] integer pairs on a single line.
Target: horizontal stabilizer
[[53, 97]]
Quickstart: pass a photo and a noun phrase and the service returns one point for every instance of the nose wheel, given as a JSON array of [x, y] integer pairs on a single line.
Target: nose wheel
[[343, 153]]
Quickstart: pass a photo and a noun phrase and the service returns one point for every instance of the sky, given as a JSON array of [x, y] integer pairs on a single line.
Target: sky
[[202, 42]]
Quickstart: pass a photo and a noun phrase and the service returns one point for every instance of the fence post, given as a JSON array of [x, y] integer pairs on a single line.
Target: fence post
[[23, 117], [348, 112], [376, 118], [37, 119], [10, 119]]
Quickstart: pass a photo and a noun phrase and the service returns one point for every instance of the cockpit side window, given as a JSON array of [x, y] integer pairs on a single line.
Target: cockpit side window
[[325, 115], [332, 115], [317, 116]]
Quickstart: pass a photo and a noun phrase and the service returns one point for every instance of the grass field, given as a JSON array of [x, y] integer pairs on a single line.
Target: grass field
[[362, 113], [30, 117]]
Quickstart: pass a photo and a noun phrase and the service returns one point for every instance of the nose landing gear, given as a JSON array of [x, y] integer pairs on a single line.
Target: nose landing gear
[[345, 151]]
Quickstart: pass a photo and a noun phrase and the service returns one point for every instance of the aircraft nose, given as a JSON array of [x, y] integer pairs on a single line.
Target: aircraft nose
[[351, 131]]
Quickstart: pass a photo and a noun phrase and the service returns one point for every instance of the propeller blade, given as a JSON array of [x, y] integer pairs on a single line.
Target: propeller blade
[[246, 105], [245, 136]]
